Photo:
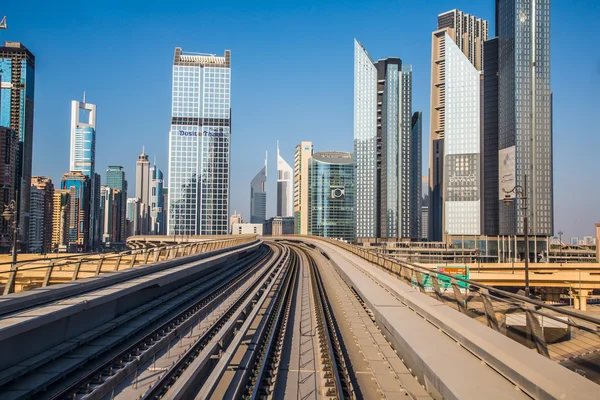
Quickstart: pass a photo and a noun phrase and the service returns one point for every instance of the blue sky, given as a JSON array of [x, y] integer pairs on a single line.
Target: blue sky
[[292, 79]]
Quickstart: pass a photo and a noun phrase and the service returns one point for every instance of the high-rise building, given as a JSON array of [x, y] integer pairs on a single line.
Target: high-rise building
[[110, 201], [115, 179], [258, 196], [331, 192], [234, 219], [455, 125], [83, 158], [8, 180], [157, 206], [304, 151], [383, 146], [285, 187], [40, 218], [199, 144], [60, 220], [142, 191], [525, 114], [79, 189], [133, 212], [490, 173], [17, 87], [413, 201], [424, 218]]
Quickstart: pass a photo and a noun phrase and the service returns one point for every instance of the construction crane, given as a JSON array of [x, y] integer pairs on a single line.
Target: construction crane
[[3, 23]]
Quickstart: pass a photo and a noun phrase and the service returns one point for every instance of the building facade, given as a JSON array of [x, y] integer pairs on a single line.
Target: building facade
[[157, 206], [413, 200], [331, 196], [8, 180], [41, 215], [278, 226], [60, 220], [246, 229], [17, 88], [115, 179], [383, 147], [132, 218], [199, 144], [110, 204], [285, 187], [258, 196], [142, 191], [304, 151], [525, 114], [455, 125], [79, 189], [235, 219]]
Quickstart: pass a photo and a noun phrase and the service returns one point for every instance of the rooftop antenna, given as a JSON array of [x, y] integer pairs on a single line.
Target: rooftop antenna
[[84, 97], [3, 23]]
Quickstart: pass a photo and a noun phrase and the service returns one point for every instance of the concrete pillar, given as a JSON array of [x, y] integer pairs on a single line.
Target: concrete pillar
[[575, 302], [583, 295]]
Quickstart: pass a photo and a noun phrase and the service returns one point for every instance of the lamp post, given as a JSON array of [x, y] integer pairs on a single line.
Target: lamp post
[[521, 191], [560, 233], [10, 215]]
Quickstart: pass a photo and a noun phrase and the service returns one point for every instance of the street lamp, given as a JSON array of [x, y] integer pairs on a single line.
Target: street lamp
[[560, 233], [521, 191], [10, 215]]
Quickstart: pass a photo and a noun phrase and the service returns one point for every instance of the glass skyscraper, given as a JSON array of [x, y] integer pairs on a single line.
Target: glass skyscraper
[[199, 144], [525, 112], [78, 185], [258, 197], [383, 147], [331, 194], [115, 179], [17, 87]]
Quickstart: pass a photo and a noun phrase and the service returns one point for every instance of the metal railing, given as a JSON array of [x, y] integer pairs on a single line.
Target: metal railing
[[30, 274], [568, 337]]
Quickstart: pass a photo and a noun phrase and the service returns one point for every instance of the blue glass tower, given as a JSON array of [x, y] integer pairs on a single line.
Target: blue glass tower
[[78, 186]]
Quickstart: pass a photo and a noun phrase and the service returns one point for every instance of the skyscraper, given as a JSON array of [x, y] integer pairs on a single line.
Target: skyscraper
[[199, 144], [115, 179], [382, 144], [285, 187], [304, 151], [78, 186], [41, 210], [142, 191], [525, 113], [17, 87], [258, 196], [331, 195], [455, 127], [415, 172], [83, 158], [60, 220], [133, 213], [8, 179], [110, 203], [157, 206]]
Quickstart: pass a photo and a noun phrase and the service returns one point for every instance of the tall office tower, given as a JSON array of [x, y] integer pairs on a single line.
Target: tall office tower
[[165, 195], [133, 213], [454, 161], [285, 187], [258, 196], [156, 201], [489, 177], [60, 220], [8, 179], [142, 191], [17, 87], [110, 204], [115, 179], [79, 189], [382, 145], [40, 218], [525, 113], [199, 144], [415, 171], [304, 151]]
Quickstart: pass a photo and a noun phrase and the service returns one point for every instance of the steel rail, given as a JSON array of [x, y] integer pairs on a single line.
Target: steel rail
[[163, 384], [120, 366]]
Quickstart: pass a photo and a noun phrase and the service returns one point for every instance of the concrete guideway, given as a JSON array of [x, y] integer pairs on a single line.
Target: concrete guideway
[[426, 333]]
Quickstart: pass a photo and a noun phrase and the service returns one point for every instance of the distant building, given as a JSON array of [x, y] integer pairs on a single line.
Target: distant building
[[78, 186], [589, 241], [17, 88], [60, 220], [115, 179], [304, 151], [234, 219], [331, 195], [40, 218], [246, 228], [8, 180], [142, 191], [157, 206], [424, 221], [133, 213], [111, 210], [574, 241], [278, 226], [258, 196], [285, 187]]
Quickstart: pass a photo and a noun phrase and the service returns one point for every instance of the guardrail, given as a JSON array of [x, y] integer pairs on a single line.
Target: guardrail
[[560, 334], [30, 274]]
